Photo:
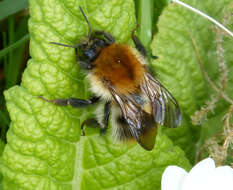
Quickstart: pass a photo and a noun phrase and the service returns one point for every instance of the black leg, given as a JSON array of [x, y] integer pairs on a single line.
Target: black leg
[[138, 44], [74, 102], [108, 36], [107, 108], [92, 123]]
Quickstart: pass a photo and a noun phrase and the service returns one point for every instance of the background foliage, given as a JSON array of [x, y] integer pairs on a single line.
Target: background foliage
[[44, 149]]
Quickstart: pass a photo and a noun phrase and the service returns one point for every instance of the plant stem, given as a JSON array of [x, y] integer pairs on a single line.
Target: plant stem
[[4, 36], [10, 65], [145, 18], [10, 48], [219, 92]]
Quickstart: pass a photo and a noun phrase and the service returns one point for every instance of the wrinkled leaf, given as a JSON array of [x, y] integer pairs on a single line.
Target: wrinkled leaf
[[178, 67], [44, 149]]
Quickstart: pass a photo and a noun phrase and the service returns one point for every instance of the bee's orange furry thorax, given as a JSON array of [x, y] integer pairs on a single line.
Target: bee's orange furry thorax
[[120, 66]]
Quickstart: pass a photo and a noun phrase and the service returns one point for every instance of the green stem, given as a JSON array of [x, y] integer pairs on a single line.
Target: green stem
[[10, 48], [145, 21], [10, 66], [4, 36]]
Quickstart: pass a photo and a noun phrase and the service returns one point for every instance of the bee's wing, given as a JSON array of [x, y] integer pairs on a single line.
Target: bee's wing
[[164, 106], [141, 124]]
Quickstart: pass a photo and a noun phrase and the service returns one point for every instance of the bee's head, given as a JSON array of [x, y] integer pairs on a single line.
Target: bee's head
[[88, 49]]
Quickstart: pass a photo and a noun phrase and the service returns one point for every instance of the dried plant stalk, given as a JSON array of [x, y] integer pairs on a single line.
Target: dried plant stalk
[[201, 115], [217, 152], [228, 128]]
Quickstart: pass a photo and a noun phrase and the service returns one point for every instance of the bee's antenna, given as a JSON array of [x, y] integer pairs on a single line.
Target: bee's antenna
[[89, 26], [65, 45]]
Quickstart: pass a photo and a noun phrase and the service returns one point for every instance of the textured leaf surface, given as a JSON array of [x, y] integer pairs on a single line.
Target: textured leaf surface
[[44, 149], [178, 67]]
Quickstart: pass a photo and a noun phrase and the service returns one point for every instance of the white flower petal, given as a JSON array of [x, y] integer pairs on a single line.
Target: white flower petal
[[222, 178], [203, 165], [203, 176], [172, 178], [199, 176]]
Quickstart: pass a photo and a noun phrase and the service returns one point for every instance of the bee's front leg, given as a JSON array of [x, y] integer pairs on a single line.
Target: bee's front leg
[[107, 36], [138, 44], [74, 102]]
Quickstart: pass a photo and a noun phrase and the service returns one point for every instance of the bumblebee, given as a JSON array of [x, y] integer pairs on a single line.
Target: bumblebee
[[135, 100]]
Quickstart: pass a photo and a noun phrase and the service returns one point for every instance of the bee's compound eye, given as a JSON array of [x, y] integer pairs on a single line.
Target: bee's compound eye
[[90, 53], [101, 43]]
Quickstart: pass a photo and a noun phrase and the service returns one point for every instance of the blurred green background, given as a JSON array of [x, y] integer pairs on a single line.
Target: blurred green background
[[14, 51], [14, 54]]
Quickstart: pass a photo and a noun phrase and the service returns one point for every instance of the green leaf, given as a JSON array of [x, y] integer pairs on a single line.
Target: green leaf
[[10, 7], [178, 68], [45, 149]]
